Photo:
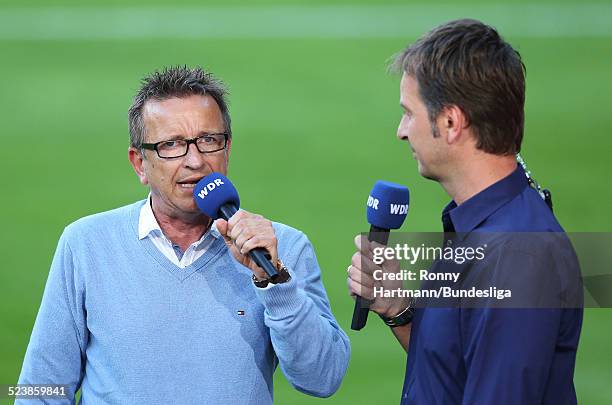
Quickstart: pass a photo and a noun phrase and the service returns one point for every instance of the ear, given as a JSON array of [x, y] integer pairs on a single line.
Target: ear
[[452, 122], [229, 146], [136, 159]]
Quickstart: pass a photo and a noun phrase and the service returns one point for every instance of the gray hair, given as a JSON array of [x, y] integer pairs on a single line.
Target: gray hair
[[175, 81]]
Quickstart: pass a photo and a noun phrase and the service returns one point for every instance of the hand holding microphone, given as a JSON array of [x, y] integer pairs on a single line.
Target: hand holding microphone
[[249, 237], [387, 207], [244, 232]]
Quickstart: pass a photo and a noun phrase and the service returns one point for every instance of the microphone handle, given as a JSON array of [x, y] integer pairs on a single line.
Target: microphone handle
[[260, 256], [360, 312]]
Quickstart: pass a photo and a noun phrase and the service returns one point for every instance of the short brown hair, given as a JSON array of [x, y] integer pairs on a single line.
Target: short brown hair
[[466, 63], [175, 81]]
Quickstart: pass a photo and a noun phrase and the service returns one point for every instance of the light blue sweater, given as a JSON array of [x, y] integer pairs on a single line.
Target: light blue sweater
[[127, 326]]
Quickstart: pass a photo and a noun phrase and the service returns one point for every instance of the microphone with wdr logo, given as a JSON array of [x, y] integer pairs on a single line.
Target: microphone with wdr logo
[[217, 197], [387, 208]]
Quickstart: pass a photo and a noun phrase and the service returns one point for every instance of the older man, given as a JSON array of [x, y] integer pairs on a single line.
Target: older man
[[462, 93], [156, 303]]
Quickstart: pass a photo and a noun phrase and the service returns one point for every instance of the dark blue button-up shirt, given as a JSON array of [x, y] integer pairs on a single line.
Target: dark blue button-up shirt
[[488, 355]]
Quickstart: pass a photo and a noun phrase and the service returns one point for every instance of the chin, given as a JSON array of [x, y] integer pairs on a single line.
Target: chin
[[188, 207], [427, 174], [192, 208]]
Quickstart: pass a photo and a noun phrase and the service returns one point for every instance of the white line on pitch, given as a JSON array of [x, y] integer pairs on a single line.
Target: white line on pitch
[[244, 22]]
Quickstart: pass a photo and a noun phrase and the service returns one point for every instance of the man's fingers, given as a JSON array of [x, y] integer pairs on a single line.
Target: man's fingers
[[246, 231], [360, 277], [363, 245], [258, 242], [249, 225], [237, 217], [237, 223], [234, 228], [352, 291], [221, 226], [363, 263], [241, 239], [355, 288]]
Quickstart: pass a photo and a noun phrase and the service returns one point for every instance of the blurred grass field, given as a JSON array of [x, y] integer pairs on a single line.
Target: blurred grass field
[[314, 128]]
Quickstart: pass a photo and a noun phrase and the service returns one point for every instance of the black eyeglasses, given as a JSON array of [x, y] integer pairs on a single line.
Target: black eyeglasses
[[174, 148]]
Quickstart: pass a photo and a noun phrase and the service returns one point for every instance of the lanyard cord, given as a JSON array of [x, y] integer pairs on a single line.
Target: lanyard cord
[[544, 193]]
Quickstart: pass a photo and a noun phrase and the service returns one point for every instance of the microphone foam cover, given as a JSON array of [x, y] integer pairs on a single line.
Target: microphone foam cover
[[212, 191], [387, 205]]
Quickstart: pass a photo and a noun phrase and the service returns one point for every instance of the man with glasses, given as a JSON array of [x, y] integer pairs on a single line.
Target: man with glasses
[[156, 303]]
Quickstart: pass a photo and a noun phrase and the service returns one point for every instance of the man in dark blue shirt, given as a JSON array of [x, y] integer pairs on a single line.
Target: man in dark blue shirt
[[463, 92]]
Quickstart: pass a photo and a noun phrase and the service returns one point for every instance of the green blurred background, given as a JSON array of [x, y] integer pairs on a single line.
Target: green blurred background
[[314, 115]]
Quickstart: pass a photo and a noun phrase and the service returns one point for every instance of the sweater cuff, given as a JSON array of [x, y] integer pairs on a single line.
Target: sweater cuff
[[281, 300]]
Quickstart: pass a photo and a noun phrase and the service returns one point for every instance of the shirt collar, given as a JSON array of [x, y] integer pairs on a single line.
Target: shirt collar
[[467, 216], [147, 225]]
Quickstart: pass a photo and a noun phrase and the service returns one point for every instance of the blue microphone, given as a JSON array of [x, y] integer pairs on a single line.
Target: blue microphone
[[387, 207], [217, 197]]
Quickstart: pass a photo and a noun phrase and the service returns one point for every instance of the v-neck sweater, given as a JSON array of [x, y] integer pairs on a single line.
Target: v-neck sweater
[[125, 325]]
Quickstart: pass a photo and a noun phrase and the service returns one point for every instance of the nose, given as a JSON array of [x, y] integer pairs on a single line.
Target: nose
[[402, 133], [194, 159]]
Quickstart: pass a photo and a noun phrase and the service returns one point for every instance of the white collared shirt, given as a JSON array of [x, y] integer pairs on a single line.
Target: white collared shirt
[[149, 228]]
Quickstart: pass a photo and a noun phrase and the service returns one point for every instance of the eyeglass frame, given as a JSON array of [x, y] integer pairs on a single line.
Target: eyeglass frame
[[154, 146]]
